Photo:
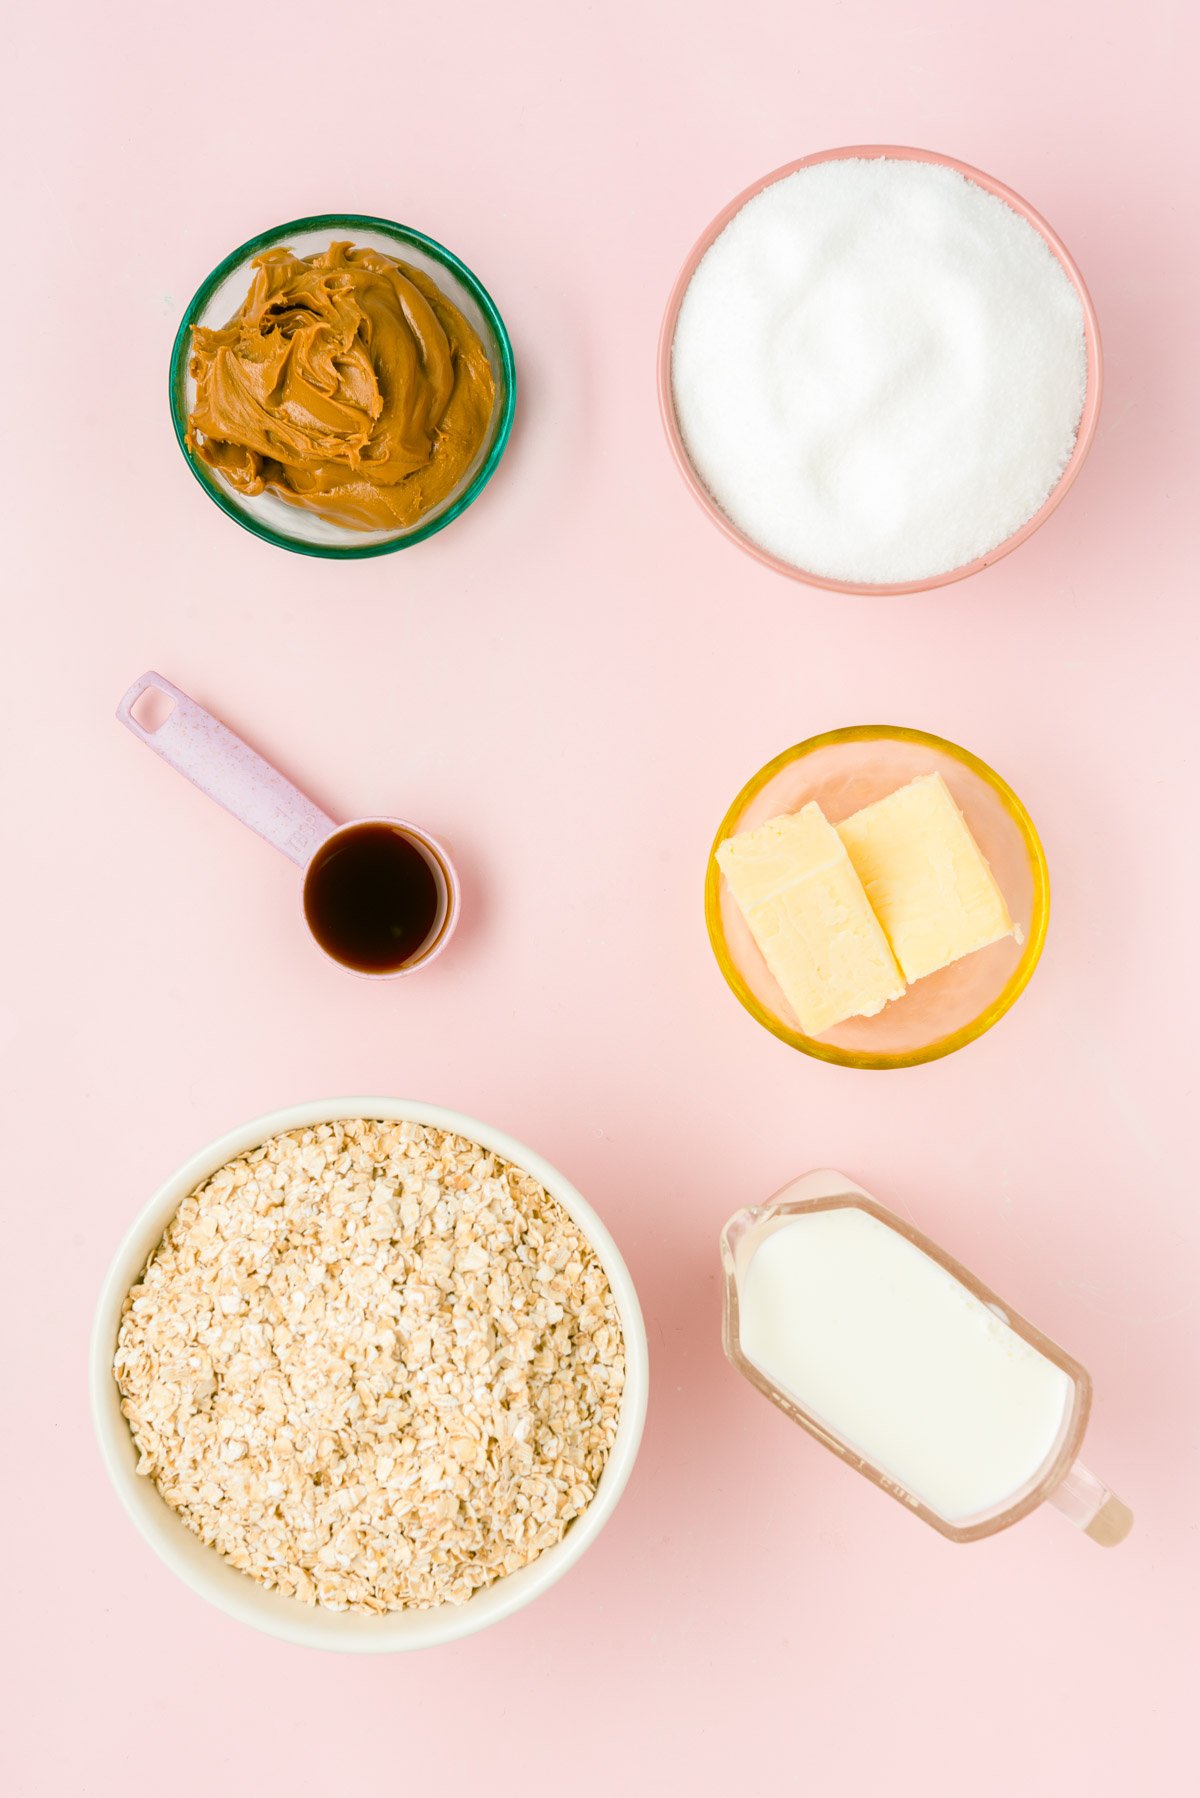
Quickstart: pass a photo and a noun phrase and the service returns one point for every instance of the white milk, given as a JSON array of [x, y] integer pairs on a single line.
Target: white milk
[[896, 1358]]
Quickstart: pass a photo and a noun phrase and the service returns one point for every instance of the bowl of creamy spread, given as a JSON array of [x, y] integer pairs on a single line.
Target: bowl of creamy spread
[[342, 386]]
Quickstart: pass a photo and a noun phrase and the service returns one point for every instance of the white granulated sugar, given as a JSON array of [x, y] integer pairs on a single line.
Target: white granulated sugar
[[879, 370]]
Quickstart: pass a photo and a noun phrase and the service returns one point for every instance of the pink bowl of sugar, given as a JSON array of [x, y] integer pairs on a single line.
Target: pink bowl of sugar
[[879, 370]]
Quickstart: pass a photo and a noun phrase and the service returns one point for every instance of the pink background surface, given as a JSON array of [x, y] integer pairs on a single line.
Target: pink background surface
[[571, 683]]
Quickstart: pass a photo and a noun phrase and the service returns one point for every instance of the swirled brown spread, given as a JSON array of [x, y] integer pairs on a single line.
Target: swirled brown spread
[[347, 383]]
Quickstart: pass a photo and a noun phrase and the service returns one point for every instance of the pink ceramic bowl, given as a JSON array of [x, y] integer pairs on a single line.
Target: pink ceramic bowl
[[1087, 420]]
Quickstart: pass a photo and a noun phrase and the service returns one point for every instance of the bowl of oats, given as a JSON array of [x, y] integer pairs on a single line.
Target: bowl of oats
[[368, 1374]]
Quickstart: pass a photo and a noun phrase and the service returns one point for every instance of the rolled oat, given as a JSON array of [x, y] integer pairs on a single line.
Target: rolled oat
[[373, 1365]]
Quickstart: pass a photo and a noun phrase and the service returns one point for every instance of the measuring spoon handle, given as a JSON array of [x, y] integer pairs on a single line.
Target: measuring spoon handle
[[197, 745]]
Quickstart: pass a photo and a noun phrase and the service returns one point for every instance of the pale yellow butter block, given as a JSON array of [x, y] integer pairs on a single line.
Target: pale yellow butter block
[[926, 877], [797, 890]]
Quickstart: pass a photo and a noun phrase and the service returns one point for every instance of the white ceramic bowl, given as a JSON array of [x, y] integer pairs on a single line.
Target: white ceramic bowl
[[202, 1568]]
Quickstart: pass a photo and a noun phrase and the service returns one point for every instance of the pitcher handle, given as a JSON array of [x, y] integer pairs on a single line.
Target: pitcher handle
[[1090, 1505]]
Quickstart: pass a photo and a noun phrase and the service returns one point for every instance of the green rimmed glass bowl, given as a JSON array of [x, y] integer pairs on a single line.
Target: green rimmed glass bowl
[[218, 298], [843, 770]]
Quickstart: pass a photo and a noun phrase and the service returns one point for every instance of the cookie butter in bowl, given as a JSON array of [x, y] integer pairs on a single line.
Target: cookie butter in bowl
[[342, 386]]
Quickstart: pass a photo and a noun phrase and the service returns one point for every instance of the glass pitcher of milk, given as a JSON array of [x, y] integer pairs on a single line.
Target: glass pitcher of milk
[[894, 1356]]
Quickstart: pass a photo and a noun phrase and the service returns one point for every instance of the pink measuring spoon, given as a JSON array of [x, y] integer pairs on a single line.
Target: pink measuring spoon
[[197, 745]]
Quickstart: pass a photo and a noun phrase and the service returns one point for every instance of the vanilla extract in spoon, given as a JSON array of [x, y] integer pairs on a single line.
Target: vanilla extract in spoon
[[373, 898]]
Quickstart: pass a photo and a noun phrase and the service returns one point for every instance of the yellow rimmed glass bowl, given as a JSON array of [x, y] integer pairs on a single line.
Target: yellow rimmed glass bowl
[[844, 770]]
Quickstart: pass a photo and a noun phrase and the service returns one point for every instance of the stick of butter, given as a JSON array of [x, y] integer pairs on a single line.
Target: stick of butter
[[797, 890], [926, 877]]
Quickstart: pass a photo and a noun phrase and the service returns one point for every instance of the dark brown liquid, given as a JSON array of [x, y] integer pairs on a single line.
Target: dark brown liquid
[[371, 898]]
